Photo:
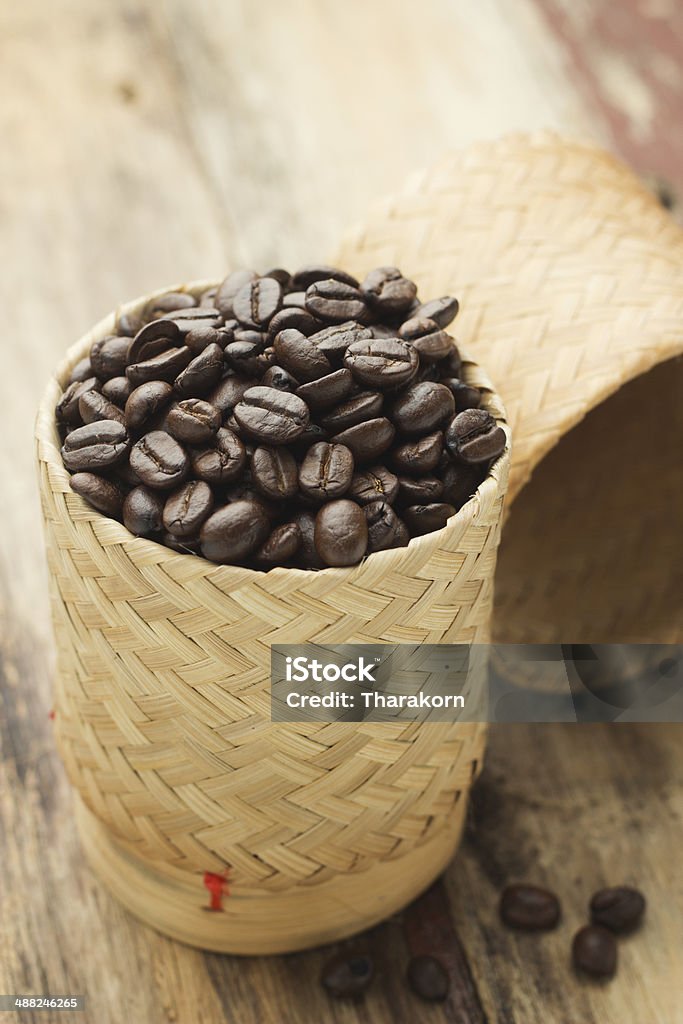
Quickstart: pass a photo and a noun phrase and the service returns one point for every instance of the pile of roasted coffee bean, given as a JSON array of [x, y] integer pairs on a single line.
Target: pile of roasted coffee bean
[[297, 420]]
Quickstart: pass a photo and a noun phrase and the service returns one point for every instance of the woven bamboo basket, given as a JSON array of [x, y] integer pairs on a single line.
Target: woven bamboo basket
[[162, 718], [571, 280]]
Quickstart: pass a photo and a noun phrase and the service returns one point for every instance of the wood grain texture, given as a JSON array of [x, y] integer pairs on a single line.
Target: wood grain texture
[[147, 143]]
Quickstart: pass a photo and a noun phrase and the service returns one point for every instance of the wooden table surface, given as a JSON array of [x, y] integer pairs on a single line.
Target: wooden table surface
[[145, 143]]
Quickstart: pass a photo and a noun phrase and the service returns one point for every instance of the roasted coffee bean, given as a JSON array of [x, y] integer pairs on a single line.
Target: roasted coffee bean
[[117, 390], [327, 391], [243, 355], [402, 537], [109, 356], [363, 406], [271, 416], [382, 331], [341, 533], [265, 360], [422, 519], [257, 302], [281, 547], [183, 545], [451, 366], [294, 300], [326, 471], [422, 407], [201, 374], [279, 378], [466, 396], [306, 276], [128, 324], [226, 292], [474, 436], [187, 320], [333, 341], [143, 512], [274, 472], [424, 491], [144, 402], [460, 482], [335, 301], [389, 291], [155, 337], [380, 363], [67, 410], [374, 484], [417, 458], [234, 531], [441, 311], [95, 446], [193, 421], [301, 356], [293, 319], [620, 909], [243, 490], [159, 461], [348, 976], [169, 303], [200, 338], [529, 908], [102, 494], [594, 951], [93, 406], [367, 440], [208, 298], [81, 371], [417, 327], [229, 391], [428, 978], [279, 274], [308, 557], [432, 343], [222, 461], [164, 366], [382, 525], [187, 508]]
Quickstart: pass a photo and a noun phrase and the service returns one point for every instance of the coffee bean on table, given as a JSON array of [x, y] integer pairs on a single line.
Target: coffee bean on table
[[341, 533], [327, 391], [95, 446], [222, 461], [274, 472], [474, 436], [67, 410], [143, 511], [271, 416], [367, 440], [348, 976], [145, 401], [301, 356], [441, 311], [308, 275], [257, 302], [117, 390], [382, 525], [422, 407], [164, 366], [193, 421], [374, 484], [109, 356], [428, 979], [278, 377], [102, 494], [466, 396], [201, 374], [529, 908], [419, 457], [421, 519], [187, 508], [326, 471], [233, 532], [226, 292], [93, 406], [153, 338], [159, 460], [366, 405], [388, 291], [620, 909], [280, 547], [421, 491], [594, 951], [293, 319], [336, 301], [382, 363]]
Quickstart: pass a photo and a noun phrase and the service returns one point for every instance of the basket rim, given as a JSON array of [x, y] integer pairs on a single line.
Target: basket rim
[[48, 454]]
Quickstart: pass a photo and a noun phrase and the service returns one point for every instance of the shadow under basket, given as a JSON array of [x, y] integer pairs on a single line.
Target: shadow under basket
[[162, 718]]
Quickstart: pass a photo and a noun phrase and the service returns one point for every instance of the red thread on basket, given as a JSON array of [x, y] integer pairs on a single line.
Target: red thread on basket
[[218, 888]]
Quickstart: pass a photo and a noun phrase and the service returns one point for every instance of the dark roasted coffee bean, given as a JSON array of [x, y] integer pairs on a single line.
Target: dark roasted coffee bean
[[117, 390], [102, 494], [402, 537], [159, 461], [426, 518], [229, 391], [301, 356], [466, 396], [279, 274], [201, 374], [243, 490], [183, 545], [451, 366], [382, 331], [95, 446], [143, 512], [341, 533], [326, 471], [145, 401], [257, 302], [294, 300], [417, 458], [367, 440], [348, 976], [529, 908], [168, 303], [474, 436], [187, 508], [187, 320], [271, 416], [306, 276], [226, 292], [193, 421], [460, 482], [128, 324], [620, 909], [335, 301], [374, 484], [385, 364], [281, 547], [67, 408], [327, 391], [265, 360], [243, 356], [222, 461], [308, 555], [199, 338], [441, 311], [432, 343], [382, 525], [109, 357], [428, 979], [93, 406], [594, 951], [279, 378], [81, 371], [417, 327], [164, 366], [389, 291], [422, 407], [234, 531], [363, 406], [293, 319], [153, 338], [208, 298], [333, 341], [423, 491], [274, 472]]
